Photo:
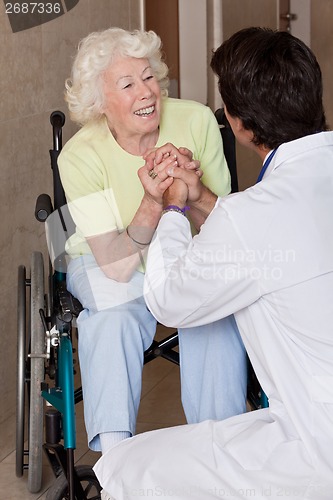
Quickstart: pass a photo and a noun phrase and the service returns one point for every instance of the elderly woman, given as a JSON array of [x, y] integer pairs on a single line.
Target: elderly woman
[[118, 95]]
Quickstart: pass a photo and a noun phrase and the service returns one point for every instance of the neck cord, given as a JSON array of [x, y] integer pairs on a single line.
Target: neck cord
[[266, 164]]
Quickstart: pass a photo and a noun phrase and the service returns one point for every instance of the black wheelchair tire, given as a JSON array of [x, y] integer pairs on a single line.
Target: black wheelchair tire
[[88, 480], [37, 374], [21, 363]]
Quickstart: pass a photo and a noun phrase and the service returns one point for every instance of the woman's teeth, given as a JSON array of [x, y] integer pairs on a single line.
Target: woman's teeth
[[145, 111]]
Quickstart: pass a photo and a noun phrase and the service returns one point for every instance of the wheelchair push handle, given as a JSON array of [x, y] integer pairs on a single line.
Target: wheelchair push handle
[[57, 120]]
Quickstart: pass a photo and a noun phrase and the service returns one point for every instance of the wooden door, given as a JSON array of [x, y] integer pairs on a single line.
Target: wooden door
[[162, 17]]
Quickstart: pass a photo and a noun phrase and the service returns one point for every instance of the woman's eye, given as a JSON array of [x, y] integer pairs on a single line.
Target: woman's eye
[[127, 86], [149, 77]]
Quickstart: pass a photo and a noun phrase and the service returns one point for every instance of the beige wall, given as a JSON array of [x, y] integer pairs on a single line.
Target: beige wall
[[33, 66]]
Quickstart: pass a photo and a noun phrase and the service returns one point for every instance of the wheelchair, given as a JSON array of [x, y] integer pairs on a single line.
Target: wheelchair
[[45, 334]]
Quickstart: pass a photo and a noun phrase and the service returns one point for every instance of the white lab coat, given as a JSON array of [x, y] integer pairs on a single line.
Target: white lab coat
[[266, 255]]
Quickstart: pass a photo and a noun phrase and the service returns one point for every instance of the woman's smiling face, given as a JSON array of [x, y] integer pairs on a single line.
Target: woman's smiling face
[[132, 98]]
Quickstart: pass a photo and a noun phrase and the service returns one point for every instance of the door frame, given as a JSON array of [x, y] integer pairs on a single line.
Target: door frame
[[194, 38]]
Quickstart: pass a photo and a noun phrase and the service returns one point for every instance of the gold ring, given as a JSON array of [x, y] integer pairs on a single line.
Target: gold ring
[[152, 174]]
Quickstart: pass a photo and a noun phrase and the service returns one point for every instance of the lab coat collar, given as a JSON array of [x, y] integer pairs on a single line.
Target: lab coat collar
[[294, 148]]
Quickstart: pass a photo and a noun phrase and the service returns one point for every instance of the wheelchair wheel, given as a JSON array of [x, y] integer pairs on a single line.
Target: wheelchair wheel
[[88, 480], [37, 340], [21, 365]]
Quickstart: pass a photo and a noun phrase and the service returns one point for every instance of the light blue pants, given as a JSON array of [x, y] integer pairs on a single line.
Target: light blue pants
[[115, 328]]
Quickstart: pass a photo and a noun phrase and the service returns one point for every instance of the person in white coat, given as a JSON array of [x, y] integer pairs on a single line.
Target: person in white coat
[[266, 256]]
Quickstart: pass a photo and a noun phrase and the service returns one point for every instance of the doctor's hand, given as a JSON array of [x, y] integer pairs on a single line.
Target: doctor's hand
[[199, 197], [176, 194], [183, 157], [157, 155], [188, 177]]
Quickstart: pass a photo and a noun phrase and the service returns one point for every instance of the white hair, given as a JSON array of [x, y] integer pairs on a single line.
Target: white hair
[[84, 89]]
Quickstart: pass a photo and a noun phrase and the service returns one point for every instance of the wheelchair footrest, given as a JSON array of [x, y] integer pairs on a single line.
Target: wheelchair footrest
[[57, 458]]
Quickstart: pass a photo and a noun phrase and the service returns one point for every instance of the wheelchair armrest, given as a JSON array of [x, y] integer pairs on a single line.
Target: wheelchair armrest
[[43, 207]]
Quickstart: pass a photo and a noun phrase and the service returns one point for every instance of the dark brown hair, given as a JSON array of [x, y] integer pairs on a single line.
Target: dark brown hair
[[272, 82]]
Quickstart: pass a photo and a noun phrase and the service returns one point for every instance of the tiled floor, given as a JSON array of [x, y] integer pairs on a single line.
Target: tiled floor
[[160, 407]]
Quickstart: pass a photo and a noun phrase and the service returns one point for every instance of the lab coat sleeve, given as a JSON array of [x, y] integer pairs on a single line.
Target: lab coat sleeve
[[192, 282]]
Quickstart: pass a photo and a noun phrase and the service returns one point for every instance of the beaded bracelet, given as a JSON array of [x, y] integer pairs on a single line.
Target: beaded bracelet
[[175, 208], [135, 241]]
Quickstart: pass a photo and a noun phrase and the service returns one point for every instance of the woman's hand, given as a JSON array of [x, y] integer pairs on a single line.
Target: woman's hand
[[190, 164], [156, 155], [154, 183], [157, 160]]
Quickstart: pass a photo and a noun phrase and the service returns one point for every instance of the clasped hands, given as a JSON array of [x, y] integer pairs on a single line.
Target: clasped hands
[[170, 175]]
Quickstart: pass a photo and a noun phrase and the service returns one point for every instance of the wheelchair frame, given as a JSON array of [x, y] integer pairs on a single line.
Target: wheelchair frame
[[45, 358], [45, 351]]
